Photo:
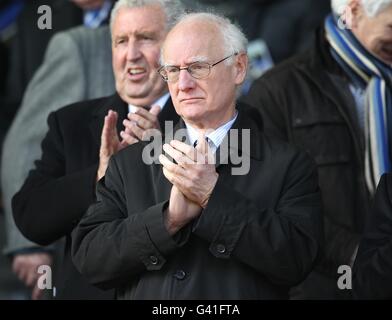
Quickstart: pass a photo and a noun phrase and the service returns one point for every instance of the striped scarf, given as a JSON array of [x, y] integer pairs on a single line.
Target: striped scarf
[[371, 74]]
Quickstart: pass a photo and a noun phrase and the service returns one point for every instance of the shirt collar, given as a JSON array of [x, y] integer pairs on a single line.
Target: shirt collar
[[215, 137], [160, 102]]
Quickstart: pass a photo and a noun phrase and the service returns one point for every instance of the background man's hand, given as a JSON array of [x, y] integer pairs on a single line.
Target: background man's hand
[[141, 121], [138, 123], [25, 266], [110, 143]]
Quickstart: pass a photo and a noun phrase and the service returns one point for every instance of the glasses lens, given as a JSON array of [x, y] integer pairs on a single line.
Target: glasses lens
[[199, 70], [172, 73]]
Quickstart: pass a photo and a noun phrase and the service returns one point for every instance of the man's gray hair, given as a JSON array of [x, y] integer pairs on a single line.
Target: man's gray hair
[[371, 7], [172, 9], [233, 38]]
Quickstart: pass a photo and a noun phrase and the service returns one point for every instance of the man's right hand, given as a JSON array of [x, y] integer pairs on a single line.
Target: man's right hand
[[141, 122], [135, 128], [110, 143], [25, 266]]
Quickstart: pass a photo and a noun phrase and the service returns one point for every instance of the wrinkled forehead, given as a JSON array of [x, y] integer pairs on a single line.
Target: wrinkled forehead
[[192, 41]]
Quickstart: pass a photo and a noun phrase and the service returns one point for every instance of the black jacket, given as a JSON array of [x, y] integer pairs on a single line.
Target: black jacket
[[259, 234], [373, 266], [59, 190], [307, 101]]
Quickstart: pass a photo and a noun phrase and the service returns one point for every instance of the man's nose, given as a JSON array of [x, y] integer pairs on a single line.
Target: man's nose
[[185, 80], [133, 51]]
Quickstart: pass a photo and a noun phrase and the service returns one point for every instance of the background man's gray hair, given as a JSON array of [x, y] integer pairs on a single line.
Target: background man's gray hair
[[172, 8], [233, 38], [371, 7]]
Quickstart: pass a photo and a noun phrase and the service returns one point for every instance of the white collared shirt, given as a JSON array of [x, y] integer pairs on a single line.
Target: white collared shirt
[[160, 102], [215, 137]]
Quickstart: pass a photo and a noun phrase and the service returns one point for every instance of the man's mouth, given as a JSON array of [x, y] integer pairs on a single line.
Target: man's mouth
[[192, 99], [136, 71]]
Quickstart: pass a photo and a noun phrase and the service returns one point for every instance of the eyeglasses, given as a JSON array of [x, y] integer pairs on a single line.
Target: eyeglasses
[[198, 70]]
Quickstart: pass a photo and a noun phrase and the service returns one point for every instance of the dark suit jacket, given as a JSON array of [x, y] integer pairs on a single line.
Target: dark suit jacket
[[62, 186], [373, 265], [259, 234]]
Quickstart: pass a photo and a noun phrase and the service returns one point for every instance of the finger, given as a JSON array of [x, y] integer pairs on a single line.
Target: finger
[[104, 150], [178, 156], [22, 275], [147, 114], [171, 177], [186, 149], [125, 143], [128, 129], [155, 110], [105, 130], [109, 130], [182, 183], [134, 129], [113, 117], [167, 174], [141, 121], [37, 293], [31, 277], [170, 166], [127, 139], [202, 145]]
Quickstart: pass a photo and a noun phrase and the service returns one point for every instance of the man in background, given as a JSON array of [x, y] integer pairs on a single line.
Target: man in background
[[335, 102], [62, 78], [83, 136]]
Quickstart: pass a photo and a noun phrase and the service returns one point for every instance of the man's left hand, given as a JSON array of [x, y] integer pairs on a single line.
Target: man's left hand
[[194, 174], [139, 122]]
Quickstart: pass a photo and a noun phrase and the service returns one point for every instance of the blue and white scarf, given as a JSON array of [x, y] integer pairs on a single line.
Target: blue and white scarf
[[371, 74]]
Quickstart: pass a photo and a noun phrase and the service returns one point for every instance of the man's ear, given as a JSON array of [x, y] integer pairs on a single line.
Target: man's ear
[[241, 66], [354, 13]]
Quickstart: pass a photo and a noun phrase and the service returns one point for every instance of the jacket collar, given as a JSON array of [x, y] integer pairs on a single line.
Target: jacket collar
[[321, 57]]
